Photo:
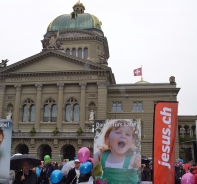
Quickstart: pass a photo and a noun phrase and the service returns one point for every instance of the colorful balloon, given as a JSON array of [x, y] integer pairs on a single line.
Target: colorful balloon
[[85, 167], [56, 176], [47, 158], [83, 154], [188, 178]]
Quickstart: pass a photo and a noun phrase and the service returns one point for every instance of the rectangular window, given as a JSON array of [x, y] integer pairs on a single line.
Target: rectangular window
[[117, 107], [137, 107]]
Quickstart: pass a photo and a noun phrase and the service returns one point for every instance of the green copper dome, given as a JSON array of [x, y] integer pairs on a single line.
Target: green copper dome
[[81, 21]]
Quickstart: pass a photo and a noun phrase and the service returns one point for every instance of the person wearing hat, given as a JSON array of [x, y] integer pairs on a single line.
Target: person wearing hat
[[73, 174]]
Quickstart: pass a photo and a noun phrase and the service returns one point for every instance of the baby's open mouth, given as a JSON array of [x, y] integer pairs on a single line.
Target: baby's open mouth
[[121, 144]]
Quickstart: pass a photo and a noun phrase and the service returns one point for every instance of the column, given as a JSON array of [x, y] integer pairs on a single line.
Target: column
[[38, 106], [102, 101], [2, 93], [60, 106], [17, 106], [82, 105], [190, 131]]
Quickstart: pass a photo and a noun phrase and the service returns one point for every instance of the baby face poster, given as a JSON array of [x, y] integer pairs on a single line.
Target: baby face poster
[[5, 150], [117, 151]]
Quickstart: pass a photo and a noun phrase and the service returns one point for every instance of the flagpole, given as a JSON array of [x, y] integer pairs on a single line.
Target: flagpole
[[141, 75]]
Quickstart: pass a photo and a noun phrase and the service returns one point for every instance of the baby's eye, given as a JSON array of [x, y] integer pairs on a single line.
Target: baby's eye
[[118, 132], [128, 134]]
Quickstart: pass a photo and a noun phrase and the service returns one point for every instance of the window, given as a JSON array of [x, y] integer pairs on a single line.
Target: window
[[86, 53], [68, 113], [28, 111], [54, 113], [80, 53], [50, 111], [76, 113], [72, 111], [46, 113], [25, 113], [68, 51], [32, 113], [137, 107], [74, 52], [117, 107]]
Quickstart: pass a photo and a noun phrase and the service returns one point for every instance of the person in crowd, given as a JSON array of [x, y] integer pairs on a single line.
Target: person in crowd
[[45, 173], [56, 165], [146, 172], [26, 176], [38, 170], [179, 172], [73, 174], [88, 177], [117, 155], [193, 170]]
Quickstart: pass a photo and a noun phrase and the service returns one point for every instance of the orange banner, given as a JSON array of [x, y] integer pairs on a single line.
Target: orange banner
[[165, 125]]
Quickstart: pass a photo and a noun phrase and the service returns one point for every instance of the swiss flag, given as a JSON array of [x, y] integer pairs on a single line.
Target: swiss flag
[[137, 72]]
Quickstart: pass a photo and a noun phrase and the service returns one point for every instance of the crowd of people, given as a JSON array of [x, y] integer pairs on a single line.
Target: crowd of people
[[41, 174], [181, 169]]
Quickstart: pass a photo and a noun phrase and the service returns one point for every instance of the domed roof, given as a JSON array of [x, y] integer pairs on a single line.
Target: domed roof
[[142, 81], [82, 21], [76, 20]]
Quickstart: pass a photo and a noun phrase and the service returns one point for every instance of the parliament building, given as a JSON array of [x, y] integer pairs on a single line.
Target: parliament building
[[54, 97]]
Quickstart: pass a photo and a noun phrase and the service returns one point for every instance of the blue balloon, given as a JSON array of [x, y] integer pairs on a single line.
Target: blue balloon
[[56, 176], [85, 167]]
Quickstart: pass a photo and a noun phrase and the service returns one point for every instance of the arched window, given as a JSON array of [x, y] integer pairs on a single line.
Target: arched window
[[50, 111], [68, 113], [68, 51], [86, 53], [80, 53], [32, 113], [72, 111], [74, 52], [46, 113], [54, 113], [25, 113], [76, 113], [28, 111]]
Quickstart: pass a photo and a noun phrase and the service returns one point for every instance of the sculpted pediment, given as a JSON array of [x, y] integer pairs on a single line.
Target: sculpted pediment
[[52, 61]]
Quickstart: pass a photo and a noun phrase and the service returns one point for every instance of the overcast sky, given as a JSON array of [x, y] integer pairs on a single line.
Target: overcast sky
[[160, 35]]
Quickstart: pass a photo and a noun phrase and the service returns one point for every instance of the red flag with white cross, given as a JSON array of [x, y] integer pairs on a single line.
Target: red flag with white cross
[[137, 72]]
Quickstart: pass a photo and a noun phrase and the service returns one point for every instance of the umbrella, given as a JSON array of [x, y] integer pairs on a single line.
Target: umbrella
[[17, 160], [67, 167]]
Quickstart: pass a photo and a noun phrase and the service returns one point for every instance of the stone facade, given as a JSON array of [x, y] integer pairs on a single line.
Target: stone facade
[[39, 91]]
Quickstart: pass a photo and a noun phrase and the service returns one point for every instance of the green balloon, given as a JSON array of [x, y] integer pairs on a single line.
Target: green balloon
[[47, 158], [97, 170]]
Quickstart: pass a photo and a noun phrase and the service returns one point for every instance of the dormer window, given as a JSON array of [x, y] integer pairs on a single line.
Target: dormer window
[[73, 15], [78, 11]]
